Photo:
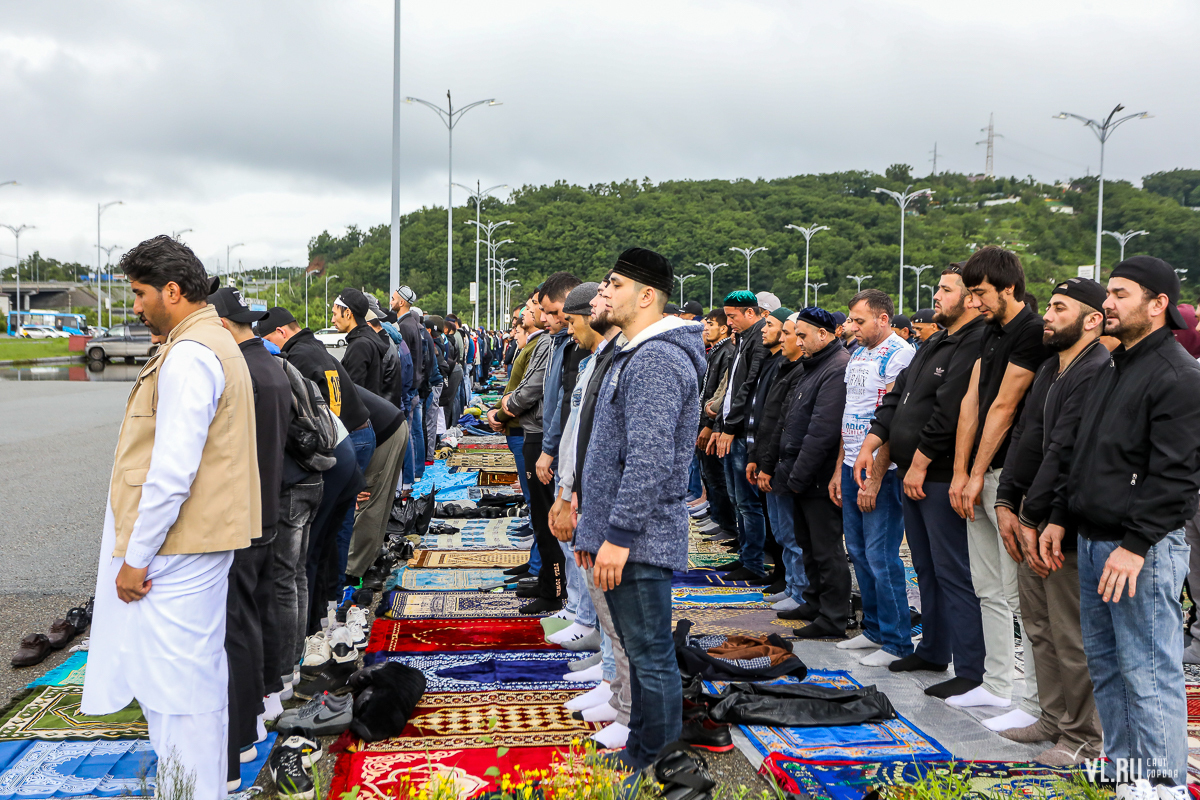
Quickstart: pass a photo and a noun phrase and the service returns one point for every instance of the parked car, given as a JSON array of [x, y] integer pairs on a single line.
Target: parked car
[[122, 341], [331, 337], [43, 332]]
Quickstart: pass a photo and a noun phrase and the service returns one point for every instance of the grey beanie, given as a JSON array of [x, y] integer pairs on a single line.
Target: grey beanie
[[579, 299]]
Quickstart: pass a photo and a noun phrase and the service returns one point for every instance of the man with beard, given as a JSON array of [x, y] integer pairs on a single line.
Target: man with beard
[[1129, 486], [1050, 600], [719, 339], [918, 418], [1010, 350]]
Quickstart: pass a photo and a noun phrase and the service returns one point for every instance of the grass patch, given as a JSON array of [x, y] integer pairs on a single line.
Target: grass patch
[[22, 349]]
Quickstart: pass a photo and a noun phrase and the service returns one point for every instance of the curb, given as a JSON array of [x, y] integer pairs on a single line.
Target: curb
[[33, 362]]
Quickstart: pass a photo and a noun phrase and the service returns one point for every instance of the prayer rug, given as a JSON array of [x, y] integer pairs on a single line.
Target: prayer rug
[[516, 670], [52, 713], [470, 559], [446, 580], [450, 605], [986, 779], [438, 474], [68, 673], [493, 460], [465, 445], [717, 597], [709, 560], [478, 534], [1193, 708], [441, 636], [705, 577], [734, 621], [387, 775]]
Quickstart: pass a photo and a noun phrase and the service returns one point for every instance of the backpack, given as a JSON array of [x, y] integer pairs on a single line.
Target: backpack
[[312, 432]]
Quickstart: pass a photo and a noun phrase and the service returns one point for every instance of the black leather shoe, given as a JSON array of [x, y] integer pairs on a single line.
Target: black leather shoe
[[804, 611], [702, 732]]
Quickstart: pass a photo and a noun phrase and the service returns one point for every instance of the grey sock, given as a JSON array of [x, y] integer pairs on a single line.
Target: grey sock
[[589, 641], [585, 663]]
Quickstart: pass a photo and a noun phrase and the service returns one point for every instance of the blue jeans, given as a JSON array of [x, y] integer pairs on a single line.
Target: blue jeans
[[780, 506], [1135, 656], [873, 542], [414, 468], [364, 447], [641, 612], [515, 443], [752, 525], [695, 482], [608, 659]]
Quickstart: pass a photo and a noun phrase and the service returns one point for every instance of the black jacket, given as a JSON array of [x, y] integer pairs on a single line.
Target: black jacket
[[410, 328], [1135, 475], [272, 413], [812, 424], [766, 377], [921, 410], [363, 359], [770, 425], [308, 355], [397, 373], [719, 359], [1047, 427], [746, 365]]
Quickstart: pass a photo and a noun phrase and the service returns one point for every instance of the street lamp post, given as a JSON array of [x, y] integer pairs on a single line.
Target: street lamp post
[[490, 228], [1103, 130], [100, 209], [492, 248], [859, 279], [108, 263], [932, 292], [16, 232], [177, 234], [816, 287], [306, 278], [328, 310], [682, 280], [902, 199], [450, 117], [918, 270], [712, 271], [277, 263], [808, 234], [502, 269], [507, 287], [228, 250], [749, 254], [478, 196], [1125, 237]]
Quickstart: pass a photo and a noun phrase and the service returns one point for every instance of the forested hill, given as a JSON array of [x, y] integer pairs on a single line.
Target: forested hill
[[581, 229]]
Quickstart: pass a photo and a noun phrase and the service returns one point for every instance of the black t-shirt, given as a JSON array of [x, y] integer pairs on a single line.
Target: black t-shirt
[[1018, 343], [272, 413]]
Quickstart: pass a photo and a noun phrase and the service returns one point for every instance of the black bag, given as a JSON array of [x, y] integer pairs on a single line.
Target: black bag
[[312, 433]]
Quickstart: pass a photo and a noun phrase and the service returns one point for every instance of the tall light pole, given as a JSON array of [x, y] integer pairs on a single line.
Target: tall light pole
[[100, 209], [749, 254], [490, 228], [492, 248], [108, 263], [16, 232], [1103, 130], [507, 287], [177, 234], [816, 287], [328, 310], [306, 276], [502, 269], [450, 117], [682, 280], [808, 234], [1125, 237], [712, 271], [932, 292], [918, 270], [859, 279], [394, 252], [902, 199], [228, 250], [277, 263], [477, 195]]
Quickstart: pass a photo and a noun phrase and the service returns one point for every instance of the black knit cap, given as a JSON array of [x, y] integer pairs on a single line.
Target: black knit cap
[[818, 317], [1085, 290], [1159, 277], [648, 267]]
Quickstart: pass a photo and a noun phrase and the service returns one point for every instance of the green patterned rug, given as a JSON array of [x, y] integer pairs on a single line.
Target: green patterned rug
[[52, 713]]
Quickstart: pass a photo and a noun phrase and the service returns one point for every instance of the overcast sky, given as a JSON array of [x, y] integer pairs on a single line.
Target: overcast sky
[[267, 122]]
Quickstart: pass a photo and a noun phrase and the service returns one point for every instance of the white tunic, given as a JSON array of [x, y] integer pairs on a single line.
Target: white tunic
[[167, 650]]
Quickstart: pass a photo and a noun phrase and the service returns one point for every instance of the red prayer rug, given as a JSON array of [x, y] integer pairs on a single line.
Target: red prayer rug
[[450, 635], [388, 775], [1193, 707]]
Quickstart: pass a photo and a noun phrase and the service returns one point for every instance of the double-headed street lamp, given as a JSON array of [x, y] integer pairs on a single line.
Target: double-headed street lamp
[[859, 280], [1125, 237], [507, 286], [16, 232], [808, 234], [749, 254], [228, 250], [816, 287], [502, 269], [903, 199], [489, 228], [450, 117], [682, 280], [100, 209], [477, 195], [1103, 130], [712, 271], [108, 264], [918, 270]]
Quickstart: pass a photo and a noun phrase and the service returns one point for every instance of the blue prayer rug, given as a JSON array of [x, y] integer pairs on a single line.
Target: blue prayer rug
[[515, 670]]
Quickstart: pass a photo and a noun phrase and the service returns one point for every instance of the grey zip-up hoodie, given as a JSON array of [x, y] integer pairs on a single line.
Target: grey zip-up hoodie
[[643, 435]]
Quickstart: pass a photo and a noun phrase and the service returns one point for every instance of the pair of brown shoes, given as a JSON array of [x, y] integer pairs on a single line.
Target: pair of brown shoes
[[33, 650], [36, 646]]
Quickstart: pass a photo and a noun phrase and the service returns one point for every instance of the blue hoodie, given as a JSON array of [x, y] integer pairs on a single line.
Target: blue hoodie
[[643, 434]]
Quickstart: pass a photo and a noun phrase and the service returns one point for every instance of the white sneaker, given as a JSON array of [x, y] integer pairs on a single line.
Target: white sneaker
[[595, 697], [880, 658], [860, 642], [612, 737], [585, 675], [316, 650], [341, 643], [356, 623], [1138, 790], [786, 604], [1172, 792]]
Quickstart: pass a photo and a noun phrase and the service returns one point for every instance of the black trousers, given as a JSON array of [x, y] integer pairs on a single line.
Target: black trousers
[[252, 643], [818, 524], [720, 505], [552, 577]]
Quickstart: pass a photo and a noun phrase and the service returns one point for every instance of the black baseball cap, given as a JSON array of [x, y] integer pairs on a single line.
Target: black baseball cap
[[692, 307], [275, 318], [354, 300], [922, 316], [900, 321], [671, 308], [1159, 277], [1085, 290], [229, 304]]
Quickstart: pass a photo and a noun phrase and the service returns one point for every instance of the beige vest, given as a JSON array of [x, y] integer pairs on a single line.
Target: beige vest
[[223, 510]]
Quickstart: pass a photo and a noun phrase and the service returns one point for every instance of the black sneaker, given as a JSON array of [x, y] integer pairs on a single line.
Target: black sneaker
[[292, 778], [331, 679], [702, 732]]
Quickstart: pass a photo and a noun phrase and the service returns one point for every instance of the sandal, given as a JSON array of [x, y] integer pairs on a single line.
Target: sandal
[[683, 773], [80, 617]]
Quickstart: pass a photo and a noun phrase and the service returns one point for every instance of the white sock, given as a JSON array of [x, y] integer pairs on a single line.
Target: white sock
[[273, 705], [1013, 719], [595, 697], [595, 673], [612, 737], [601, 713], [860, 642], [880, 658], [248, 755], [976, 698], [572, 631], [564, 614], [262, 730], [786, 604], [234, 785]]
